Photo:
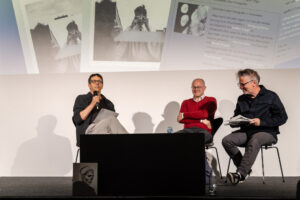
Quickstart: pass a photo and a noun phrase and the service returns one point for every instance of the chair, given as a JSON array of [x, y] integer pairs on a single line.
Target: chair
[[215, 126], [264, 147]]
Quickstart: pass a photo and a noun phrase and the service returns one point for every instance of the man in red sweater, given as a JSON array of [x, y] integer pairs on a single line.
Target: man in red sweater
[[197, 113]]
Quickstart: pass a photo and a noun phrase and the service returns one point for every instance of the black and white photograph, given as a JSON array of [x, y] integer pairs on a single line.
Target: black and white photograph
[[191, 19], [85, 179], [55, 33], [129, 30]]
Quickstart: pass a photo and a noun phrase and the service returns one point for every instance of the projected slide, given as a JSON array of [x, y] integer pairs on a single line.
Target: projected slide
[[221, 34], [71, 36], [51, 34], [11, 54], [288, 44], [125, 35]]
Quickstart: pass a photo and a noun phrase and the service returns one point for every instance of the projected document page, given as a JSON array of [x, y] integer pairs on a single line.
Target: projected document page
[[221, 34], [288, 45]]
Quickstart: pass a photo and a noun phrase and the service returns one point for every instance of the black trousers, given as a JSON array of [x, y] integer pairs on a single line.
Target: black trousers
[[207, 136]]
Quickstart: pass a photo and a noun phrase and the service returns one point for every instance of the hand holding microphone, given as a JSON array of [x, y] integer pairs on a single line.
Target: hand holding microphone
[[97, 99]]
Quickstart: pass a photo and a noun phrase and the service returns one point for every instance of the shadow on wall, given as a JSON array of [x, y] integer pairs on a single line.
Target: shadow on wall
[[226, 108], [170, 118], [47, 154], [142, 123]]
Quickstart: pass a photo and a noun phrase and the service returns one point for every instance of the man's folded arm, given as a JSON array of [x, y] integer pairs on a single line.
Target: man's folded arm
[[189, 121], [203, 113], [200, 114]]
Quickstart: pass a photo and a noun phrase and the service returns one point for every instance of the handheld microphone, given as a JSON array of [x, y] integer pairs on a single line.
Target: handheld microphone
[[97, 104]]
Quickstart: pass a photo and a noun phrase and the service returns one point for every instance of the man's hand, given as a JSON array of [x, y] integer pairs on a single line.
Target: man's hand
[[96, 99], [146, 22], [255, 121], [206, 122], [180, 117], [85, 113]]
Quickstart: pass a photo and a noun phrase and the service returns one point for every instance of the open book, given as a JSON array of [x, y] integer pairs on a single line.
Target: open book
[[238, 120]]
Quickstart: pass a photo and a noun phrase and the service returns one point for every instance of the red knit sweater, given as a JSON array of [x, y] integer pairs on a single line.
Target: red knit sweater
[[193, 112]]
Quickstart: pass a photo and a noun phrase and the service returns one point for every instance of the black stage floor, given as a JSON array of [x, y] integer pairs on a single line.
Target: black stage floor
[[61, 187]]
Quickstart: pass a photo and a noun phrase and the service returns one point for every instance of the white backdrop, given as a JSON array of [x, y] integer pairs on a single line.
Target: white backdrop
[[38, 137]]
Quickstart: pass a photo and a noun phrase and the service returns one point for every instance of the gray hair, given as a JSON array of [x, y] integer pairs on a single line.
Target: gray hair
[[198, 79], [249, 72]]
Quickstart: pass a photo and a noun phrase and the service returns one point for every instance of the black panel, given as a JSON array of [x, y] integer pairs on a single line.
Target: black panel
[[147, 164]]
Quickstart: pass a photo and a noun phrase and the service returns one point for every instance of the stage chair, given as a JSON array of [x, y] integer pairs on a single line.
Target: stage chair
[[215, 126], [264, 147]]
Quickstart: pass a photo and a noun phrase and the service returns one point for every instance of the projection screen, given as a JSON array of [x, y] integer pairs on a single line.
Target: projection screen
[[71, 36]]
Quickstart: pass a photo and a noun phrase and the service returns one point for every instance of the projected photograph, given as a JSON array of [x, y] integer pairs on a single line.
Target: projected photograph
[[129, 30], [191, 19], [85, 179], [54, 28]]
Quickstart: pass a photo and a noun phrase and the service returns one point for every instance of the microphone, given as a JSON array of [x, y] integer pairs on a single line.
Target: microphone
[[97, 104]]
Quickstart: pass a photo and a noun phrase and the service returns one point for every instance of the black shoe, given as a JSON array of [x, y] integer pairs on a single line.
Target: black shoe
[[235, 178], [247, 176]]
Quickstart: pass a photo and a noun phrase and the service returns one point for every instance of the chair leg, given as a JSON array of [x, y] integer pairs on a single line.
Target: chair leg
[[77, 155], [280, 164], [262, 163], [218, 160], [228, 169], [283, 180]]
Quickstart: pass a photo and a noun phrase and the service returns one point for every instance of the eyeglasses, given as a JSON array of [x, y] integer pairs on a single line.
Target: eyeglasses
[[243, 84], [198, 87], [96, 81]]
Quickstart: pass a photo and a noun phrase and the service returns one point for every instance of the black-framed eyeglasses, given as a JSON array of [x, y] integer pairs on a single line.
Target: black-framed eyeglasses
[[96, 81], [198, 87], [243, 84]]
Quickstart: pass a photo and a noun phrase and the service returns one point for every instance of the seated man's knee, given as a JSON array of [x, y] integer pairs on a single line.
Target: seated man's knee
[[254, 142], [113, 118], [225, 141]]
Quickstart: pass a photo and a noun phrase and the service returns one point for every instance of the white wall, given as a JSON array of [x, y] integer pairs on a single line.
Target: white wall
[[38, 137]]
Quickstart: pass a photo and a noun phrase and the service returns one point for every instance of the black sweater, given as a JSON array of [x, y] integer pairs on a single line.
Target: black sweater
[[267, 107], [81, 102]]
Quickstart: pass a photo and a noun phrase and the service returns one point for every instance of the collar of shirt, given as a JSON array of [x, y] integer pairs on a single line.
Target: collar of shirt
[[200, 99]]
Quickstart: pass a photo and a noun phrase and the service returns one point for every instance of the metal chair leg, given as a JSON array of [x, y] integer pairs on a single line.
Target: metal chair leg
[[266, 147], [262, 163], [77, 155], [280, 164], [218, 160]]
